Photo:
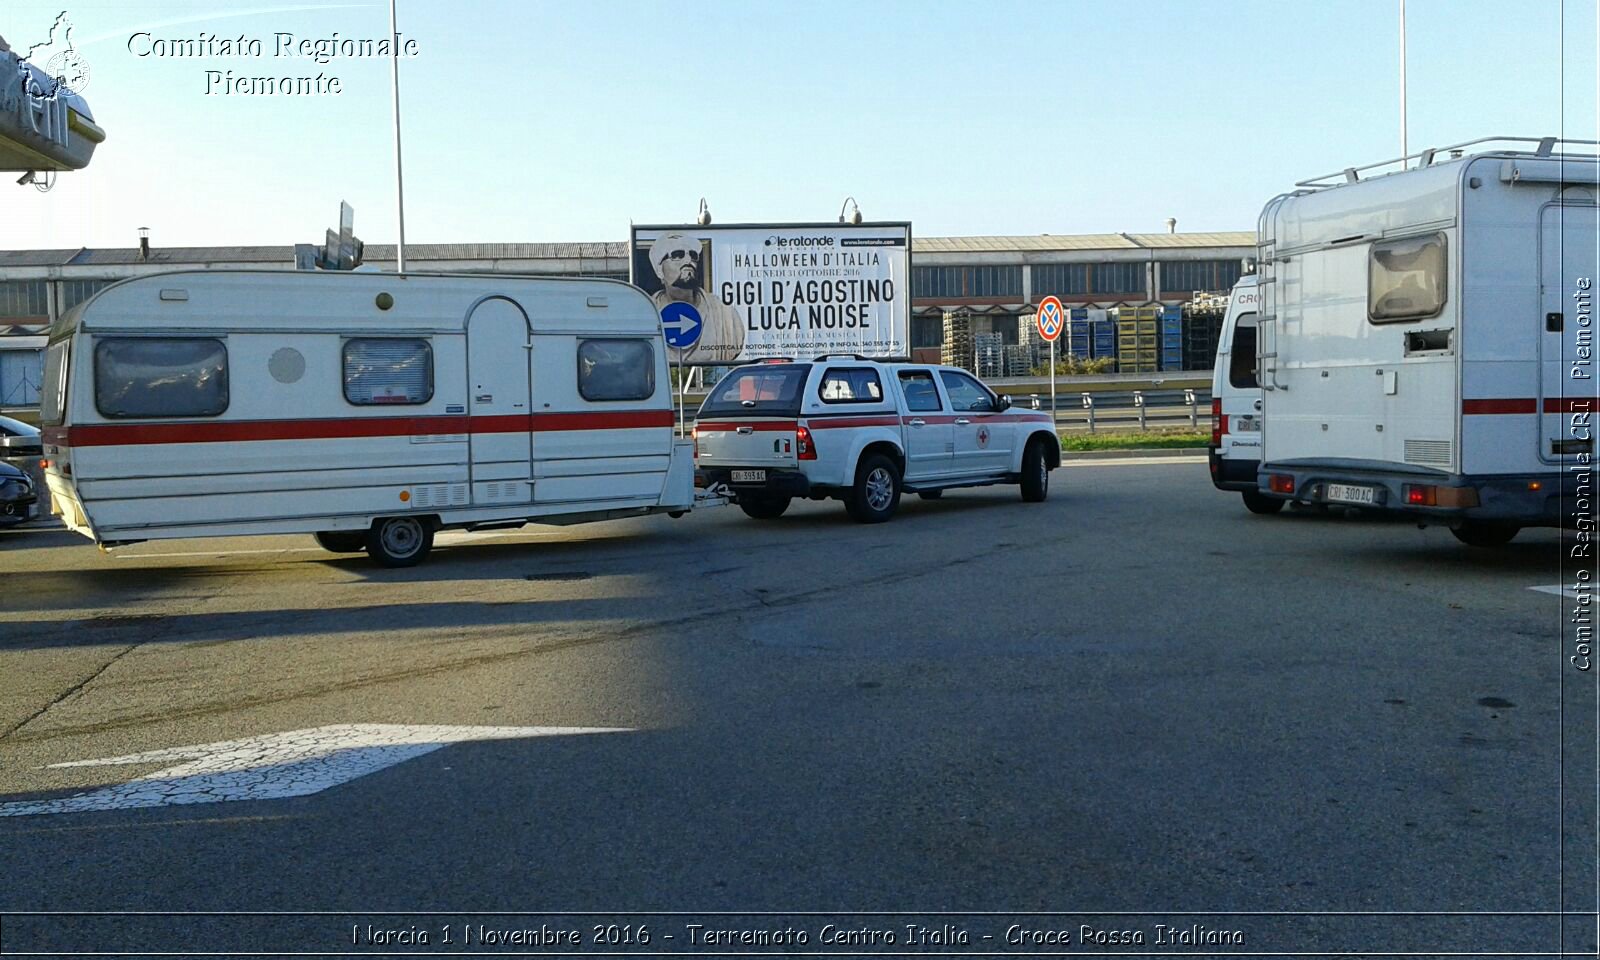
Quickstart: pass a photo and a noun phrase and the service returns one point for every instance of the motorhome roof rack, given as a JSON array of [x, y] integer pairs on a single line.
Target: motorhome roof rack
[[1546, 148]]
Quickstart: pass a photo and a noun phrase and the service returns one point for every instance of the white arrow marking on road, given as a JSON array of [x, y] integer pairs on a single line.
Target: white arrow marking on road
[[277, 765], [1559, 590]]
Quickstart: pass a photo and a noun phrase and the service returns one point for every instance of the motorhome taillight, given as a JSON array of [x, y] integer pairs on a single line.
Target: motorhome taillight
[[802, 441], [1281, 483], [1424, 495], [1219, 422]]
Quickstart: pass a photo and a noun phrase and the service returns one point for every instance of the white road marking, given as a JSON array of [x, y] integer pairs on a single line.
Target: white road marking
[[292, 764], [1129, 461], [1558, 590]]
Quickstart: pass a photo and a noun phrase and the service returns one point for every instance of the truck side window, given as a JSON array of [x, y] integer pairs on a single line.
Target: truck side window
[[139, 377], [921, 395], [966, 393], [388, 371], [1406, 279], [1242, 354], [616, 369], [850, 385]]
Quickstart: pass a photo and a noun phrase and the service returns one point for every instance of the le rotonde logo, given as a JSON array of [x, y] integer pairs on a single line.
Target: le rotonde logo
[[777, 241]]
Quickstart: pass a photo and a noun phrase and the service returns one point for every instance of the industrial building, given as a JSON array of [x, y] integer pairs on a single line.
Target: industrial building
[[995, 280]]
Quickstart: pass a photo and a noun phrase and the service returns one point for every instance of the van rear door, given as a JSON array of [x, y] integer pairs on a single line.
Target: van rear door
[[751, 416]]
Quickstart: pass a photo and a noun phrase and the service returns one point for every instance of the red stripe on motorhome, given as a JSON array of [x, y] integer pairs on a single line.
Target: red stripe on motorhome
[[1529, 405], [241, 431]]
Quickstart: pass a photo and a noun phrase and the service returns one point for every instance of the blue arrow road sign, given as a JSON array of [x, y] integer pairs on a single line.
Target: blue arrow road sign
[[682, 324]]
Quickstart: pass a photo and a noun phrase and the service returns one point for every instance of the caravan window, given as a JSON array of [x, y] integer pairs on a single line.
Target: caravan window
[[53, 392], [615, 369], [160, 377], [1406, 279], [388, 371]]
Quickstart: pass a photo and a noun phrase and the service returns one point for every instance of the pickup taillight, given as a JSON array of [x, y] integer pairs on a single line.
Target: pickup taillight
[[695, 433], [1219, 422], [805, 449]]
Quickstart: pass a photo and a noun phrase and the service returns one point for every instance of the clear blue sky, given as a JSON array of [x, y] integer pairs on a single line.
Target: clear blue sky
[[553, 121]]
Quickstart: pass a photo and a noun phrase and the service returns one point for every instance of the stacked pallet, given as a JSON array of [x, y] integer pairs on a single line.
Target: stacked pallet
[[1171, 318], [1138, 340], [1020, 360], [1038, 349], [957, 348], [1202, 327], [988, 355]]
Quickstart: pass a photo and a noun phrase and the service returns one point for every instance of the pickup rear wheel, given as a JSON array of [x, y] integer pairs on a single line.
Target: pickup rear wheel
[[1485, 533], [762, 506], [1257, 502], [876, 494], [342, 541], [399, 541], [1035, 473]]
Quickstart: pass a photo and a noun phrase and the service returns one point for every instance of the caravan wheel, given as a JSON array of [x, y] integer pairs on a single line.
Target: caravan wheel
[[1485, 533], [399, 541]]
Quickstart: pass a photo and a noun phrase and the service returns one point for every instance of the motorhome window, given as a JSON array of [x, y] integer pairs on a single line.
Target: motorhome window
[[851, 385], [160, 377], [388, 371], [1406, 279], [615, 369], [1242, 354], [773, 389], [53, 392], [921, 395]]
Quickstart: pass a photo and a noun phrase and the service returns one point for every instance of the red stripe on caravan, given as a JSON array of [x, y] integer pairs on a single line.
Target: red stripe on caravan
[[138, 434], [1507, 405], [1569, 404]]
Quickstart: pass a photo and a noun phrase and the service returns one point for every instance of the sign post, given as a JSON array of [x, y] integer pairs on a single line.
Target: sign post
[[682, 325], [1051, 318]]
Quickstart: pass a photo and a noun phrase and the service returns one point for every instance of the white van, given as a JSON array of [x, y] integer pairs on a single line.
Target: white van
[[1236, 401], [367, 409]]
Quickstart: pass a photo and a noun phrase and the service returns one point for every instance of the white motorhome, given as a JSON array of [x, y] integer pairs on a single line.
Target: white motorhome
[[1426, 337], [367, 409], [1236, 402]]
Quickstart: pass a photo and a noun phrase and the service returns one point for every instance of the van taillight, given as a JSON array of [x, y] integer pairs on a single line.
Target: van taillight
[[695, 433], [802, 441], [1219, 422]]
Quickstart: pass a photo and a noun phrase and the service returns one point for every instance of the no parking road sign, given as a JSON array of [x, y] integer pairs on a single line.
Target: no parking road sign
[[682, 325], [1050, 318]]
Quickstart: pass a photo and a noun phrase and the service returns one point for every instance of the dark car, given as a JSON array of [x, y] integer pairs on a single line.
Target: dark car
[[16, 495], [19, 440]]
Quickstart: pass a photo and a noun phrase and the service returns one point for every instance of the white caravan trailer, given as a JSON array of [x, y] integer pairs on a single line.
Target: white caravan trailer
[[368, 409], [1427, 338]]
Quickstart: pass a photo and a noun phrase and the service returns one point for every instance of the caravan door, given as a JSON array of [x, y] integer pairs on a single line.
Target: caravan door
[[1566, 345], [498, 397]]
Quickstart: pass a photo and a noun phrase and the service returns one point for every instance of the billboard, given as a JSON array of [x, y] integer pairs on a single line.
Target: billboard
[[733, 293]]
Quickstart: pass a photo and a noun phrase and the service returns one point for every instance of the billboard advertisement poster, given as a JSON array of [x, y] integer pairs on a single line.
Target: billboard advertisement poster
[[779, 290]]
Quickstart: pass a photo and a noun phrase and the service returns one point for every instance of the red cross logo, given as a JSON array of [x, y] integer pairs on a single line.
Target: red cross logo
[[983, 436]]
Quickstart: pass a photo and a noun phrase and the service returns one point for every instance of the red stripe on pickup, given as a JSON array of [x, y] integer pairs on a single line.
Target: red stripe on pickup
[[1529, 405], [835, 422], [241, 431]]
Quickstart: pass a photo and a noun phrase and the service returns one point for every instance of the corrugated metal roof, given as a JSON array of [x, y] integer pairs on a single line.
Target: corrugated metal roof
[[1080, 241]]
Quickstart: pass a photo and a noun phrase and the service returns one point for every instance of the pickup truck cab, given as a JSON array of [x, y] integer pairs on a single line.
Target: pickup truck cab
[[864, 431]]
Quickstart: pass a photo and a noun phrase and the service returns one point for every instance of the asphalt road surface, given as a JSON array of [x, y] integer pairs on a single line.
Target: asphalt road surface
[[1133, 697]]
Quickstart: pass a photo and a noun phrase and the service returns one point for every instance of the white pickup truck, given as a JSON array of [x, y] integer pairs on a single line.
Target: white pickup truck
[[863, 431]]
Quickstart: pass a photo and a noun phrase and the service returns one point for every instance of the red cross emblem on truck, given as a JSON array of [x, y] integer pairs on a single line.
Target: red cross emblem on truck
[[983, 436]]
